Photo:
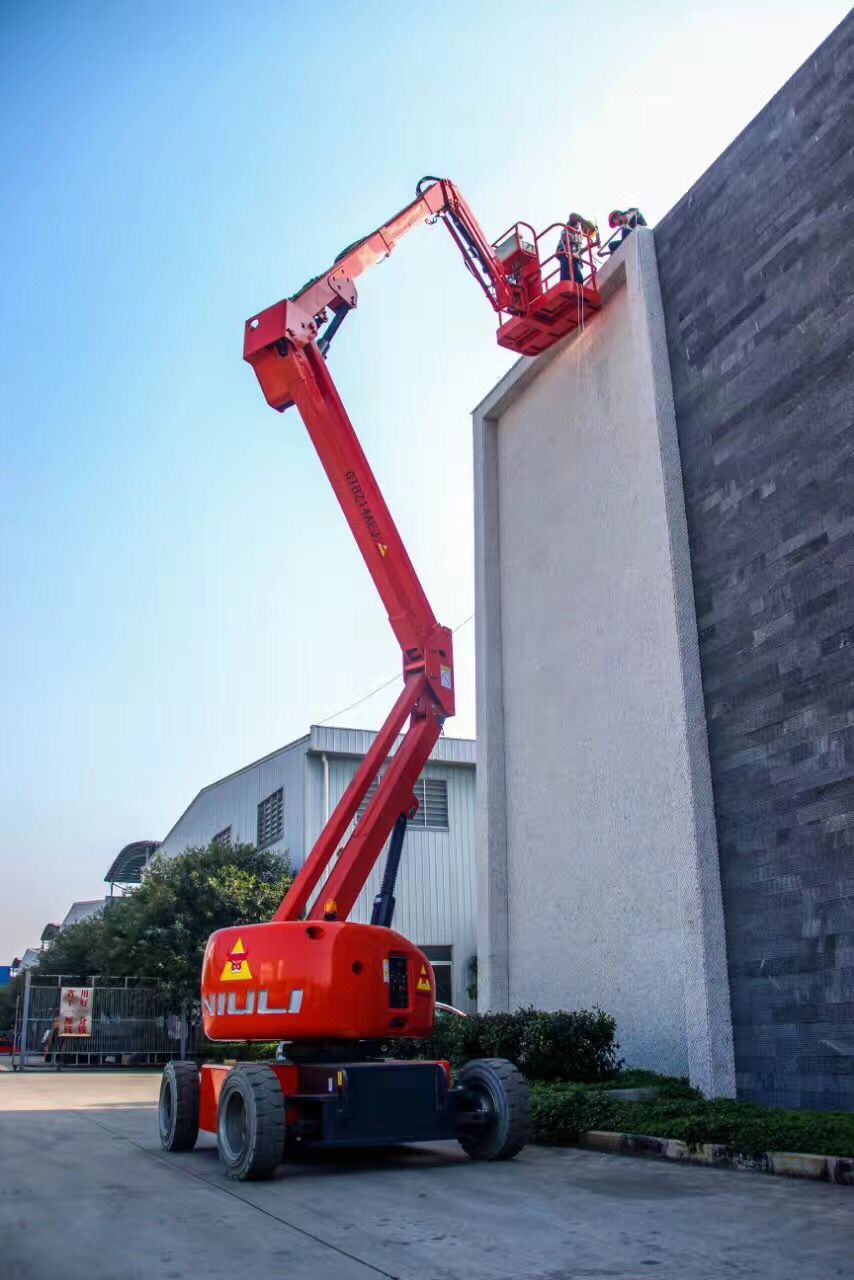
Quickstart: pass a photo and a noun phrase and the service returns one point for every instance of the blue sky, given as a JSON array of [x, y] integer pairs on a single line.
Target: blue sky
[[180, 593]]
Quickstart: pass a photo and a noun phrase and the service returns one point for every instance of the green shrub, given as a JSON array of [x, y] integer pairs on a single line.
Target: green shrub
[[545, 1046], [568, 1046], [744, 1127], [561, 1112], [667, 1086], [239, 1051], [471, 985]]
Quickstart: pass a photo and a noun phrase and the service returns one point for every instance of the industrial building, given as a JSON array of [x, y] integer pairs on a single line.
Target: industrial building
[[664, 654], [282, 801]]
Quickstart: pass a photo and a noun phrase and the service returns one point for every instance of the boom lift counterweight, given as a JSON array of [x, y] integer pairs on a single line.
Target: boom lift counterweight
[[334, 990]]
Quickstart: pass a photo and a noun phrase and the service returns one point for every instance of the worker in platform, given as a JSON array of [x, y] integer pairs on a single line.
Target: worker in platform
[[572, 245], [624, 221]]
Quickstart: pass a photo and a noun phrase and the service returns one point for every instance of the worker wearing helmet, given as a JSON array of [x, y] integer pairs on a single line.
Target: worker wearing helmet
[[624, 220], [572, 244]]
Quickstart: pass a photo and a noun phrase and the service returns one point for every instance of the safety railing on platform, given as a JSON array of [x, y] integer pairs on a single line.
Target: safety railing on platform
[[520, 251]]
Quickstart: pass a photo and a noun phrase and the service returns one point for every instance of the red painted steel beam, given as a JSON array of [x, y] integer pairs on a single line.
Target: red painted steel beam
[[394, 796], [427, 647], [348, 470], [296, 901]]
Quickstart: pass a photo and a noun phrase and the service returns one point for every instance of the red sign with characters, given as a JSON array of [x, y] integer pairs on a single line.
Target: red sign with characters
[[75, 1011]]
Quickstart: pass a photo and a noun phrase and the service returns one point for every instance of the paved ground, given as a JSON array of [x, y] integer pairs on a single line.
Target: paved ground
[[87, 1194]]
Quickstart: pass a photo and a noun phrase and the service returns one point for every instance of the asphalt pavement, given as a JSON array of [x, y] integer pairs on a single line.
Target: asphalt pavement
[[87, 1194]]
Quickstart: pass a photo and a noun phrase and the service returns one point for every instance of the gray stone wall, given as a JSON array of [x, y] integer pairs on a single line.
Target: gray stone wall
[[755, 265]]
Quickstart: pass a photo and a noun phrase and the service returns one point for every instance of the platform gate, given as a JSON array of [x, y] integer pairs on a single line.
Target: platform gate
[[133, 1022]]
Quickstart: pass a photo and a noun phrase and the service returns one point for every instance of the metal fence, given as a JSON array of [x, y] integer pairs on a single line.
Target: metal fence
[[132, 1022]]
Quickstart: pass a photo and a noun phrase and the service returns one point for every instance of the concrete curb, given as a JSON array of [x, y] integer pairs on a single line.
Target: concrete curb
[[785, 1164]]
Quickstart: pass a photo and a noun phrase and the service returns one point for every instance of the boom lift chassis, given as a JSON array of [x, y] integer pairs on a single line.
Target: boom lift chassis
[[334, 992]]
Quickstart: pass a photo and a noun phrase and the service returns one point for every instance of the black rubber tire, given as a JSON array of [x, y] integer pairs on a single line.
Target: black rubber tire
[[504, 1092], [178, 1109], [250, 1127]]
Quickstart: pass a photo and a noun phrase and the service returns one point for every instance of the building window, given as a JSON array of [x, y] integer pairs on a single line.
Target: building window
[[222, 837], [271, 819], [432, 797], [443, 971]]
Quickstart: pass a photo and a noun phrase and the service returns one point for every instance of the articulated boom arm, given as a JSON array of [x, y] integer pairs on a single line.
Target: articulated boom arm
[[295, 322], [286, 346], [427, 697], [282, 346]]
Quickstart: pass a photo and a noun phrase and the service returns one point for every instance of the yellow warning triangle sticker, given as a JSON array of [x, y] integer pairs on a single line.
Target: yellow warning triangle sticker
[[423, 983], [236, 967], [382, 547]]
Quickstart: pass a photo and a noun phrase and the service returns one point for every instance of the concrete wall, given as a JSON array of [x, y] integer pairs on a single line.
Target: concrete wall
[[757, 278], [598, 873]]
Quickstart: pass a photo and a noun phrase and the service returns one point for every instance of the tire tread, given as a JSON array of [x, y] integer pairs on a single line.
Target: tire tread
[[183, 1080], [268, 1144], [518, 1099]]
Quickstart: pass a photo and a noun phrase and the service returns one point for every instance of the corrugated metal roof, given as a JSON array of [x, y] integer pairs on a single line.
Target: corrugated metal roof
[[252, 765], [356, 742], [126, 867]]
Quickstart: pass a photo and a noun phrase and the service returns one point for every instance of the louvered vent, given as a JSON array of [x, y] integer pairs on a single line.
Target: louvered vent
[[432, 796], [271, 819]]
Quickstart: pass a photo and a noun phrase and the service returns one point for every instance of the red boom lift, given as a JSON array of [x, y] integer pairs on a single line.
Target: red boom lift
[[333, 991]]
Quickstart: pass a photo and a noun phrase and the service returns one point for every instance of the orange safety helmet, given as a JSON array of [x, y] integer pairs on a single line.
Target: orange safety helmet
[[615, 217]]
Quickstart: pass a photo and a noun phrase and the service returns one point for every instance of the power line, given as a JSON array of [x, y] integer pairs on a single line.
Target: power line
[[385, 684]]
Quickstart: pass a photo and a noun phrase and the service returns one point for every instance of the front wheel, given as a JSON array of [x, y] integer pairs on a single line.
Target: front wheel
[[178, 1109], [495, 1109], [250, 1126]]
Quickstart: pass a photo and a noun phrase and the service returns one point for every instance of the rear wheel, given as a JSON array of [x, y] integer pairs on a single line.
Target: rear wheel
[[178, 1109], [250, 1129], [495, 1115]]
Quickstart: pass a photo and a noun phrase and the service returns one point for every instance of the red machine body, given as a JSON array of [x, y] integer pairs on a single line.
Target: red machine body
[[310, 980], [301, 1084]]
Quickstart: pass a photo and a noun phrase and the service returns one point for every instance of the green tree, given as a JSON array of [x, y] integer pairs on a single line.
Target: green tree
[[160, 931], [8, 999]]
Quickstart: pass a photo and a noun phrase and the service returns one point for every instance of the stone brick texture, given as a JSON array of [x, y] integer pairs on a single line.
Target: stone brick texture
[[755, 264]]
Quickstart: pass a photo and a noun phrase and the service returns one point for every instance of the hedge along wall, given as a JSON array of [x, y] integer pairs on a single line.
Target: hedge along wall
[[578, 1046]]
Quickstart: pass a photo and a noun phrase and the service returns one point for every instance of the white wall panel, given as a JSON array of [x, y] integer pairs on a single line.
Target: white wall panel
[[597, 850]]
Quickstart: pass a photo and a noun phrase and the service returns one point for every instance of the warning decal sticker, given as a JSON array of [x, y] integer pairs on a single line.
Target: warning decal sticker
[[236, 968], [423, 983]]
